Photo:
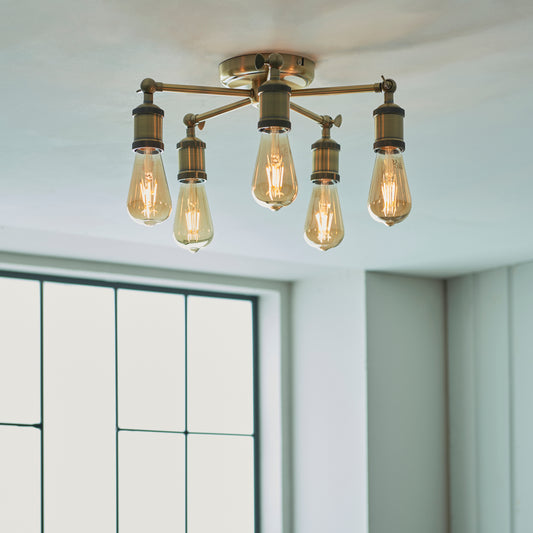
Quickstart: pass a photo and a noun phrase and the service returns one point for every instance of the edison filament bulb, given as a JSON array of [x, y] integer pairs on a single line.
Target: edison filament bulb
[[389, 200], [193, 226], [324, 228], [149, 199], [274, 185]]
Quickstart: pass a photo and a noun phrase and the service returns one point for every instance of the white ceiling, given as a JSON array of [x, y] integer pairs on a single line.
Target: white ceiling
[[464, 70]]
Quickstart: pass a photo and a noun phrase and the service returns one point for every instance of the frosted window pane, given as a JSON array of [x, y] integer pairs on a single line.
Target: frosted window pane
[[79, 404], [20, 351], [151, 365], [152, 482], [220, 365], [221, 484], [20, 480]]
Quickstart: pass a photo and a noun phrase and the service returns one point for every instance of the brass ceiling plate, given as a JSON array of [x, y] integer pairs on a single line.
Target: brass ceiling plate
[[241, 72]]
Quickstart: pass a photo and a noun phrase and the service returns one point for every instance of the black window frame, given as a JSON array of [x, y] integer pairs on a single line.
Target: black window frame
[[158, 288]]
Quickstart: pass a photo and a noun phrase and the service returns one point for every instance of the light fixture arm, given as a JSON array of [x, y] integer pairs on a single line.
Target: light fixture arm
[[386, 86], [192, 120], [324, 120], [148, 85]]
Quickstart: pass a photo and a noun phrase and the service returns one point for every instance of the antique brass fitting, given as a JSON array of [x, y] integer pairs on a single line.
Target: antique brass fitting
[[191, 157]]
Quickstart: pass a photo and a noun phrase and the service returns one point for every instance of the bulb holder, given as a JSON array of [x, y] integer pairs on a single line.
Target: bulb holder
[[148, 127], [191, 156], [325, 160], [389, 127], [274, 106]]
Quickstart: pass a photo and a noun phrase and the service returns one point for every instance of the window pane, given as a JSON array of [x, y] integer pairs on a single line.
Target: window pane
[[20, 480], [79, 408], [152, 482], [221, 484], [151, 365], [220, 365], [20, 351]]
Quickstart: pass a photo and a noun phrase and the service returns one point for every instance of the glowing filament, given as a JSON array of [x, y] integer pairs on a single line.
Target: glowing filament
[[148, 195], [324, 219], [148, 188], [389, 189], [192, 220], [274, 172], [389, 192]]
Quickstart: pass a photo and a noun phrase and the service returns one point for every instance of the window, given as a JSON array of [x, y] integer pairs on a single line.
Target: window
[[126, 408]]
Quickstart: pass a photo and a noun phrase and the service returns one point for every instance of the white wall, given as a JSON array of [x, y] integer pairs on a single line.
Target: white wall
[[397, 324], [490, 317], [329, 405], [407, 465]]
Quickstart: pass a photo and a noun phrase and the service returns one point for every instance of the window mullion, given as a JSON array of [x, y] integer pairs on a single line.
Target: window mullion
[[186, 392]]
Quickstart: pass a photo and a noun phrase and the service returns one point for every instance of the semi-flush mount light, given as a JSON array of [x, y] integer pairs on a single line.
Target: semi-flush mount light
[[269, 81]]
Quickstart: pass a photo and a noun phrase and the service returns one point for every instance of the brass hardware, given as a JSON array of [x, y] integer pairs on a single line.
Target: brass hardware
[[241, 71], [274, 97], [200, 89], [325, 158], [189, 120], [388, 87], [149, 86], [191, 157], [389, 126], [148, 126], [202, 117], [344, 89], [306, 113], [321, 119], [270, 78], [274, 100]]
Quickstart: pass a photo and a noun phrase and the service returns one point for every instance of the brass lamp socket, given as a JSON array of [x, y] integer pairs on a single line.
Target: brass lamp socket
[[325, 160], [191, 156], [148, 127], [274, 105], [389, 127]]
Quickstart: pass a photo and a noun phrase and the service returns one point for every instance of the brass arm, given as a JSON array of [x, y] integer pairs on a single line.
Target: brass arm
[[150, 86], [203, 90], [324, 120], [345, 89], [192, 119]]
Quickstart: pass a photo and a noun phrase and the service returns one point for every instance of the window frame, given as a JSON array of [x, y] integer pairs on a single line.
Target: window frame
[[254, 299]]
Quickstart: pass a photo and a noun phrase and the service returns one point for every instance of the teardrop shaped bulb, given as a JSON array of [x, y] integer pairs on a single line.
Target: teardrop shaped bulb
[[149, 199], [324, 228], [389, 199], [193, 226], [274, 185]]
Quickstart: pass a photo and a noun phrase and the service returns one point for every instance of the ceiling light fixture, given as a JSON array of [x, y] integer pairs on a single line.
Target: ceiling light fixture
[[269, 81]]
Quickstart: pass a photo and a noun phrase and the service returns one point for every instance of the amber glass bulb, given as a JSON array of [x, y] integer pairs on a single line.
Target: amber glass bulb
[[193, 226], [389, 200], [324, 228], [274, 184], [149, 196]]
